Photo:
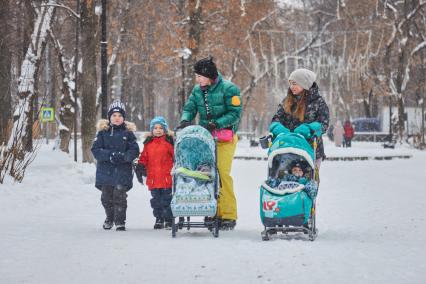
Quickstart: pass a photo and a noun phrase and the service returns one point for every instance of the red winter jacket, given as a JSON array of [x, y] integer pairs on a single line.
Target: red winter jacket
[[349, 130], [157, 157]]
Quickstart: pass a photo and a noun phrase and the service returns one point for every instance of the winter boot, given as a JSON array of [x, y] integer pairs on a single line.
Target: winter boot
[[159, 223], [209, 220], [107, 225], [168, 224], [227, 224], [120, 228]]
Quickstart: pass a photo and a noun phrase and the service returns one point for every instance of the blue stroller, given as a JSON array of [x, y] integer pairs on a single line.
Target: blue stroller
[[287, 202], [195, 180]]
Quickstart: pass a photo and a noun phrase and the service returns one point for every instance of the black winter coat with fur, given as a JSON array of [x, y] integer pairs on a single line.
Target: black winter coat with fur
[[115, 139], [316, 110]]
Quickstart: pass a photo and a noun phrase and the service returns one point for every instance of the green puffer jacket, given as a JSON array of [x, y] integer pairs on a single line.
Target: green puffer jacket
[[224, 102]]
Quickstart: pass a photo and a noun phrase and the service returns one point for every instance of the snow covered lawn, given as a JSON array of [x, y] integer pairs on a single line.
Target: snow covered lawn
[[371, 220]]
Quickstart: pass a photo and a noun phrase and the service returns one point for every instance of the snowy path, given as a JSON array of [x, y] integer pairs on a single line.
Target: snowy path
[[371, 219]]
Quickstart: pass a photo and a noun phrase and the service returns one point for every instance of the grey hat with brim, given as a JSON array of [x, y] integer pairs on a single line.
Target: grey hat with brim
[[303, 77]]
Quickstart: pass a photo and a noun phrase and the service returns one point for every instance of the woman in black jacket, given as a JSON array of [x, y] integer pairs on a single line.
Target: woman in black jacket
[[302, 105]]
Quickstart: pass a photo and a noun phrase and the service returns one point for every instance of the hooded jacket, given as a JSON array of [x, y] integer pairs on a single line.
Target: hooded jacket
[[224, 101], [109, 139], [157, 157]]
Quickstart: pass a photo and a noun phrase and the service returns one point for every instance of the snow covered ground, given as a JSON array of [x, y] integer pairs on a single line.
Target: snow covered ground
[[371, 218]]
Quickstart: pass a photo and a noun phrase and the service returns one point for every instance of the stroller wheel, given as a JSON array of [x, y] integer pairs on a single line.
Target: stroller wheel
[[174, 228], [209, 222], [312, 236], [188, 219], [265, 235], [312, 228], [180, 224], [216, 228]]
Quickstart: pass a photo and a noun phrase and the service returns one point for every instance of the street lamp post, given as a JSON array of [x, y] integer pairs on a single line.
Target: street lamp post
[[390, 118], [104, 62], [423, 145], [77, 31]]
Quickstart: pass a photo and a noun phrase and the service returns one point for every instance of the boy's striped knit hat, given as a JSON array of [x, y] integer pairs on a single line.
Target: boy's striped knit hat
[[116, 106]]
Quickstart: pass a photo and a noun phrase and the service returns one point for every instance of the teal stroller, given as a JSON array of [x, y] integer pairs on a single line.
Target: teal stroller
[[195, 181], [287, 202]]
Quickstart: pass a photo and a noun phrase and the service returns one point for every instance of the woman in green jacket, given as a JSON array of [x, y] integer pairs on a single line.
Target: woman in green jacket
[[218, 104]]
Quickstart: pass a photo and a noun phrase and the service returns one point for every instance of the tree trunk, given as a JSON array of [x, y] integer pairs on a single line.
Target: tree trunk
[[367, 104], [66, 113], [5, 74], [88, 78], [150, 70], [16, 156], [27, 80], [194, 42]]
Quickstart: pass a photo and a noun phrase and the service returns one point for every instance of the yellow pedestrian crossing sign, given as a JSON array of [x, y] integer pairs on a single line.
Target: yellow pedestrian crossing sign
[[47, 114]]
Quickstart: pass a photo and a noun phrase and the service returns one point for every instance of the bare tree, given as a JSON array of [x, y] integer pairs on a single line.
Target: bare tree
[[67, 109], [402, 46], [16, 156], [5, 73]]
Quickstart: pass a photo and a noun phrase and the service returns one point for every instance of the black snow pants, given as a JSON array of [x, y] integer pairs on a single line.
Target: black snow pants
[[114, 200]]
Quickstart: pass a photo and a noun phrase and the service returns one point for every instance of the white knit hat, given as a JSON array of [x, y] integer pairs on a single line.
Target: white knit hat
[[303, 77]]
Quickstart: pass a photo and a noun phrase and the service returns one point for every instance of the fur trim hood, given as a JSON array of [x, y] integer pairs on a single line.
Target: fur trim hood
[[103, 124]]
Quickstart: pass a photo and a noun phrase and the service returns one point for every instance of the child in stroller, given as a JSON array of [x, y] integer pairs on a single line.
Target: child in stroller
[[195, 180], [298, 172], [287, 197]]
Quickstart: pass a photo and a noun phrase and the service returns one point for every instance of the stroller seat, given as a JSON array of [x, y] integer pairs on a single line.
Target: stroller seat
[[195, 179], [287, 201]]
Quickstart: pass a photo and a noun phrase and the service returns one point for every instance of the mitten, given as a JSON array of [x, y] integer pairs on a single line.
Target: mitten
[[140, 172], [183, 124], [211, 126], [116, 157], [316, 128], [277, 128]]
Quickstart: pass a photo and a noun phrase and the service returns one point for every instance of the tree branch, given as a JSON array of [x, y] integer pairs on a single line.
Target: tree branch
[[64, 7]]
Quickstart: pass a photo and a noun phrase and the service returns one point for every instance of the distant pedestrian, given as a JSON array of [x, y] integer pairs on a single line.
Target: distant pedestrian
[[338, 132], [349, 133]]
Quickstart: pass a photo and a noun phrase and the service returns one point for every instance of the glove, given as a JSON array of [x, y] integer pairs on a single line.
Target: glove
[[303, 130], [117, 158], [183, 124], [140, 172], [211, 126], [265, 141], [316, 128]]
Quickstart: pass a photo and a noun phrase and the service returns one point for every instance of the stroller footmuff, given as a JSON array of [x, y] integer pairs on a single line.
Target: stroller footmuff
[[195, 181], [287, 197]]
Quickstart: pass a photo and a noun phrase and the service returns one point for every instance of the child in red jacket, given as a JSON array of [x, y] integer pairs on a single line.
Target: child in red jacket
[[156, 162]]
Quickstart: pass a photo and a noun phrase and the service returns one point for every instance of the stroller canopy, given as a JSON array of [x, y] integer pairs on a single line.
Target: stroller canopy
[[291, 143], [194, 147]]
